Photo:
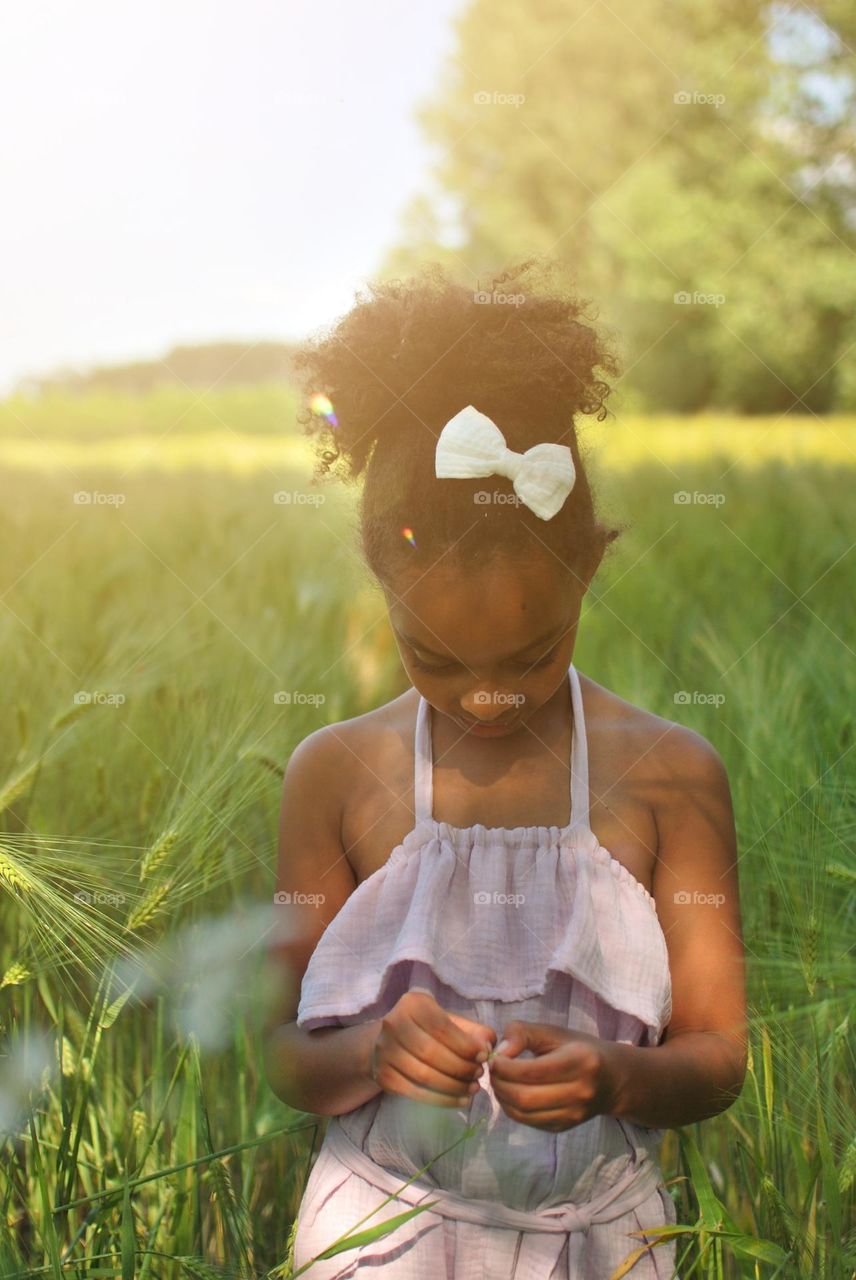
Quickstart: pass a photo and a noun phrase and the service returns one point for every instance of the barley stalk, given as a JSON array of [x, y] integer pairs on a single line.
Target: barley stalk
[[148, 908], [224, 1192], [68, 1058], [150, 791], [840, 871], [15, 974], [199, 1269], [13, 874], [810, 952], [847, 1172], [266, 762], [74, 713], [781, 1215], [17, 786], [157, 853]]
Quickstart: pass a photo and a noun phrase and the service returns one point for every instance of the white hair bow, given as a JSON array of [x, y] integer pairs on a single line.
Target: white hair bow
[[471, 444]]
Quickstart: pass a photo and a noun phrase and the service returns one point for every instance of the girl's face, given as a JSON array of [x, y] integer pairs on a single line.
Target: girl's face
[[488, 648]]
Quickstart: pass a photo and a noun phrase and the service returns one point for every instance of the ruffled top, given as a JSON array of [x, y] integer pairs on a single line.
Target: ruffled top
[[535, 922]]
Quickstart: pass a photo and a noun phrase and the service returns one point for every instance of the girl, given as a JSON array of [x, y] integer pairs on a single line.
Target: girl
[[521, 959]]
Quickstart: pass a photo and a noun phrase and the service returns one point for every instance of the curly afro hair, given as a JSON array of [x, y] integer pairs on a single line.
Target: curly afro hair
[[407, 357]]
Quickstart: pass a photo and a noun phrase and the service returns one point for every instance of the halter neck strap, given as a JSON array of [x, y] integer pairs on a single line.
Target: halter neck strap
[[579, 785]]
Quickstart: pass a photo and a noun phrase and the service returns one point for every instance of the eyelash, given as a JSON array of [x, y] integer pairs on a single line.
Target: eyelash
[[529, 666]]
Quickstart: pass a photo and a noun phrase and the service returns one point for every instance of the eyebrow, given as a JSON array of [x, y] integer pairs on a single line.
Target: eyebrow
[[548, 635]]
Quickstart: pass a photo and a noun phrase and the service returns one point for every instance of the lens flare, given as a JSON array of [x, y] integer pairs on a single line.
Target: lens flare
[[323, 406], [407, 533]]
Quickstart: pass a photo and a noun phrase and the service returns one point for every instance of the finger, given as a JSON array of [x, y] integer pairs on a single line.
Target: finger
[[556, 1121], [566, 1064], [411, 1079], [482, 1032], [442, 1027], [536, 1097], [419, 1044], [428, 1060]]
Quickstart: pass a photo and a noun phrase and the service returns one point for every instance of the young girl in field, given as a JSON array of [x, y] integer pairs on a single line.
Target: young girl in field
[[518, 891]]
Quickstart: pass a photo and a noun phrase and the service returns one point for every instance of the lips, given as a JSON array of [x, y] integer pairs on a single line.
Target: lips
[[486, 724]]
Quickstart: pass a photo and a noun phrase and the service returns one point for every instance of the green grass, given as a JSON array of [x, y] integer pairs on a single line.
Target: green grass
[[198, 598]]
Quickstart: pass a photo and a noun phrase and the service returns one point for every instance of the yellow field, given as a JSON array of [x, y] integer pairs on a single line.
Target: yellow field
[[626, 442]]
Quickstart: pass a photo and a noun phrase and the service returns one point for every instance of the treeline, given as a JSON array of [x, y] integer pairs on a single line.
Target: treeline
[[693, 164], [209, 366]]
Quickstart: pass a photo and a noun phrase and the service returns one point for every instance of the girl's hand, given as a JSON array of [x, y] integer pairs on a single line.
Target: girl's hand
[[569, 1081], [424, 1053]]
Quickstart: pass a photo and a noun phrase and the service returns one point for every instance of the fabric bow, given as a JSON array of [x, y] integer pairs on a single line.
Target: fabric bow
[[471, 444]]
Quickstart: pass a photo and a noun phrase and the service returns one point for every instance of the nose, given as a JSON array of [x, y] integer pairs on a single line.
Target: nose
[[494, 707]]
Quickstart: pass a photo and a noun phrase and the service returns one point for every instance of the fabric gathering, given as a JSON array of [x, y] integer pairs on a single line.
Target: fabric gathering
[[570, 938]]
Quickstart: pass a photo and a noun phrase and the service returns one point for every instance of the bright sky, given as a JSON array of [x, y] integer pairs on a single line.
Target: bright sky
[[193, 170]]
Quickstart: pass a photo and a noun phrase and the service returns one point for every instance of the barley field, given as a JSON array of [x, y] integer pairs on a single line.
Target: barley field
[[172, 583]]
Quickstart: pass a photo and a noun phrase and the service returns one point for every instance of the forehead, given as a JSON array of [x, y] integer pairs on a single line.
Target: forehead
[[485, 613]]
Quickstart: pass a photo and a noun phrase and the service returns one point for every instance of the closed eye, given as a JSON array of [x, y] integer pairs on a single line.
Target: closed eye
[[525, 666]]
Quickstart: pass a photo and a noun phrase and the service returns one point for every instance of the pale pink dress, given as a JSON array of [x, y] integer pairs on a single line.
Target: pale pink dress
[[534, 923]]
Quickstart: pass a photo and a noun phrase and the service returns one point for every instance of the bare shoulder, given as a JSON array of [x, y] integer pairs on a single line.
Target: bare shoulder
[[673, 758], [695, 874], [340, 758]]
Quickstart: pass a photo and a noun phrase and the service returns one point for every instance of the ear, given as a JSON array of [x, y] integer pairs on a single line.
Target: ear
[[588, 571]]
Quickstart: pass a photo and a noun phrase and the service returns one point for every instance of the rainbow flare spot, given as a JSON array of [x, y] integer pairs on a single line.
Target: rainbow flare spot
[[323, 406], [407, 533]]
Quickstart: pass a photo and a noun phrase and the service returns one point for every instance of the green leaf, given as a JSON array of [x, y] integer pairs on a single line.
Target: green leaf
[[371, 1234], [129, 1242], [710, 1209], [751, 1247]]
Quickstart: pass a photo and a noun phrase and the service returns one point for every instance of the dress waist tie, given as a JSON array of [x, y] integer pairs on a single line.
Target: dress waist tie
[[632, 1188]]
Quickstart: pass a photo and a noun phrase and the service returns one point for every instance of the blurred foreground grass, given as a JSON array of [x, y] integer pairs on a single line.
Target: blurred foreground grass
[[163, 655]]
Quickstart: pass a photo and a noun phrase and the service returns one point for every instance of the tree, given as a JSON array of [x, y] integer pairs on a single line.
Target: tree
[[693, 165]]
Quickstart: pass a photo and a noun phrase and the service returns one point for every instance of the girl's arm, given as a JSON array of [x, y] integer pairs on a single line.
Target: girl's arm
[[699, 1069], [324, 1071]]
